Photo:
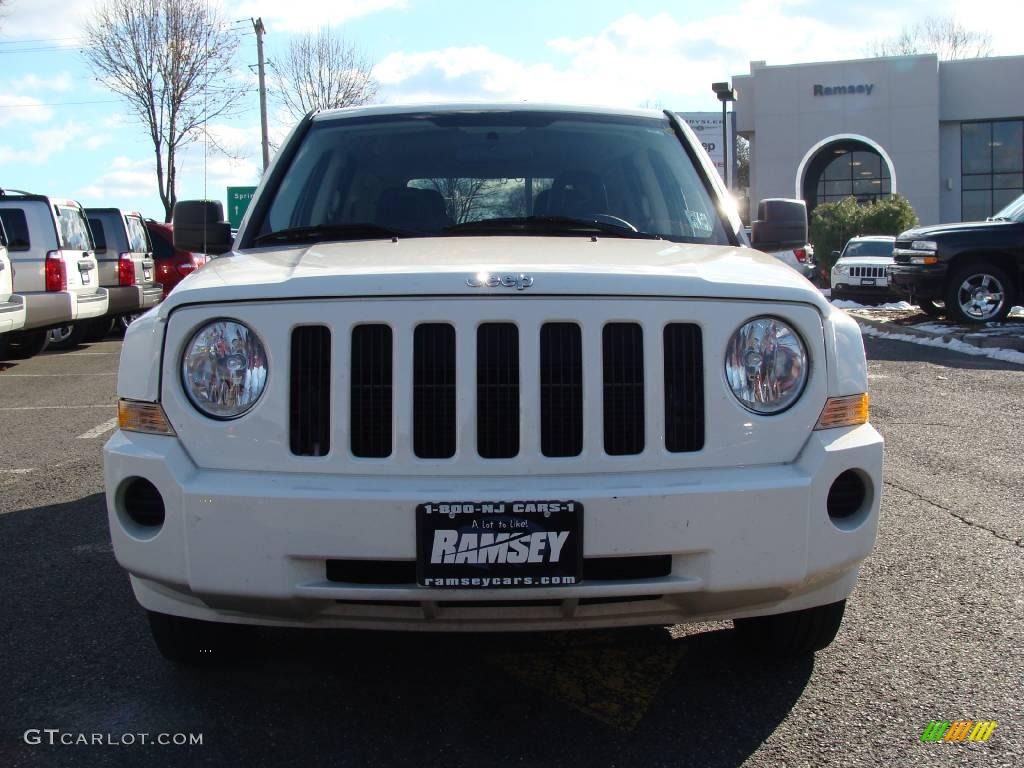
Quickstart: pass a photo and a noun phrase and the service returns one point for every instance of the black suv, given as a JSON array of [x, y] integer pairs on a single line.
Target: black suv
[[976, 267]]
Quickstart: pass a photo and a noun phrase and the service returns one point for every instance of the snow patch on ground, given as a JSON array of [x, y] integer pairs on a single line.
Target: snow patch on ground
[[955, 345], [847, 304], [988, 329]]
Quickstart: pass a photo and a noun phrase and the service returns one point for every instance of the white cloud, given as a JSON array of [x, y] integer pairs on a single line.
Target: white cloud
[[23, 109], [43, 144], [59, 83], [127, 181], [1001, 19], [305, 15], [96, 141], [20, 100], [656, 59], [57, 20]]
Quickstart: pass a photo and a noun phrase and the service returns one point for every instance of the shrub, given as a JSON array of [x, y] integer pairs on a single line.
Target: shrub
[[832, 224]]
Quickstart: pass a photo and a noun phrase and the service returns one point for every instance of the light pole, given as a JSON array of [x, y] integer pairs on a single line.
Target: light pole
[[260, 30], [725, 94]]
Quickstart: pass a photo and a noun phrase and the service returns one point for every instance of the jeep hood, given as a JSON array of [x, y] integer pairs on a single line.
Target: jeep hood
[[441, 266]]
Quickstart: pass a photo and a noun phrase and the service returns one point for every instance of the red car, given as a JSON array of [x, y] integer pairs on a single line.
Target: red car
[[172, 265]]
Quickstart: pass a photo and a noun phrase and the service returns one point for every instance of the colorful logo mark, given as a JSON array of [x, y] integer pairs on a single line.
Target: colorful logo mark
[[958, 730]]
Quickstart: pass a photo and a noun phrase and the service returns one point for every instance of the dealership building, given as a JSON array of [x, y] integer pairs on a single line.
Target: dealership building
[[947, 135]]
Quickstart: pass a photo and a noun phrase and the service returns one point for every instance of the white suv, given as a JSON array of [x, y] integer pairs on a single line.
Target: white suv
[[492, 368], [55, 270], [12, 308], [862, 269]]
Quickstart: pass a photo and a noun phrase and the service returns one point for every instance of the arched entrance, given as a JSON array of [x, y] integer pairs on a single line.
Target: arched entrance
[[845, 166]]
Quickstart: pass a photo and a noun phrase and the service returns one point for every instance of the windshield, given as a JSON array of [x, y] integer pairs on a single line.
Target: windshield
[[1013, 212], [74, 231], [536, 172], [868, 248]]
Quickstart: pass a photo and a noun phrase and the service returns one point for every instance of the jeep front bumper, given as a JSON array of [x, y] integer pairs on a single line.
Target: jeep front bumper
[[253, 547]]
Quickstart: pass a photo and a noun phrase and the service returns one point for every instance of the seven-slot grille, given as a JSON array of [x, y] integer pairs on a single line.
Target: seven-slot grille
[[498, 406], [868, 271]]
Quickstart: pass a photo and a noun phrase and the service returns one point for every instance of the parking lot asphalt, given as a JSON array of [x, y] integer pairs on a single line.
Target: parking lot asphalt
[[934, 630]]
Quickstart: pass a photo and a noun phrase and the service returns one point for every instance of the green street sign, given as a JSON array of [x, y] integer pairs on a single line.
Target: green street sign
[[238, 202]]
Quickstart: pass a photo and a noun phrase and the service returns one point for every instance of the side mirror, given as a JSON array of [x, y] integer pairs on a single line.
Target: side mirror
[[835, 254], [781, 225], [199, 226]]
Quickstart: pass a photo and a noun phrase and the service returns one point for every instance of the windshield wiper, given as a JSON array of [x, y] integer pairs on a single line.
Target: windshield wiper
[[318, 232], [550, 224]]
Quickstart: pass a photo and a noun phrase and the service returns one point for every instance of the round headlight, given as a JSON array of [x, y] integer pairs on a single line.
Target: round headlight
[[766, 365], [224, 369]]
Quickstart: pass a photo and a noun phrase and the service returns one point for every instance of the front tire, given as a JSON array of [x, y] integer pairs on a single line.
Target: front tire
[[790, 635], [22, 345], [190, 641], [980, 293]]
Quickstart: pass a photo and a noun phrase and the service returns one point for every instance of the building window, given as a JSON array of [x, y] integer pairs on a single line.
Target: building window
[[991, 167], [844, 169]]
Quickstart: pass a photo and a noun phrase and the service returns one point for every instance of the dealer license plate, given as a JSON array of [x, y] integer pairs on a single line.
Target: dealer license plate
[[147, 275], [499, 544], [867, 281], [85, 276]]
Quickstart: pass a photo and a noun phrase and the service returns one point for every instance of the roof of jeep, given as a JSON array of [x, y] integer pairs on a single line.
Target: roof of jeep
[[873, 238], [412, 109]]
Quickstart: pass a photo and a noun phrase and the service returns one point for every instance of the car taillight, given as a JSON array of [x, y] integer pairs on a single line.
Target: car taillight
[[125, 269], [56, 272], [801, 254], [185, 268]]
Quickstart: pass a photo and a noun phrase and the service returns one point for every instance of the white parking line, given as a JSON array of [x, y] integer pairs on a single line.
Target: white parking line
[[54, 407], [99, 429], [17, 471], [58, 355]]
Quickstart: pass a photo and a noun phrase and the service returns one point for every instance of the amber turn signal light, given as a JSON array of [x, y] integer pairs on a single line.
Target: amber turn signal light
[[137, 416], [848, 411]]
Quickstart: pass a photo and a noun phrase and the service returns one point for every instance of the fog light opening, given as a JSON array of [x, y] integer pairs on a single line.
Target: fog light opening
[[848, 498], [142, 503]]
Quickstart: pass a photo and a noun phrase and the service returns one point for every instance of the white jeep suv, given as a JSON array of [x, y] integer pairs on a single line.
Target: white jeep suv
[[862, 269], [492, 368], [12, 307], [55, 270]]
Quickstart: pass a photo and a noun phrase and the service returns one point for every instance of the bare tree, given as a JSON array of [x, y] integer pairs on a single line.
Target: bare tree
[[944, 36], [170, 60], [462, 197], [322, 70]]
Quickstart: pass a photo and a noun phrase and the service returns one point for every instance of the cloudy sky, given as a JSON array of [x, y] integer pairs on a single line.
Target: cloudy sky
[[62, 133]]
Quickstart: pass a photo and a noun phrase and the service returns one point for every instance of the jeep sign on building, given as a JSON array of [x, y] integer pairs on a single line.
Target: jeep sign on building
[[947, 135]]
